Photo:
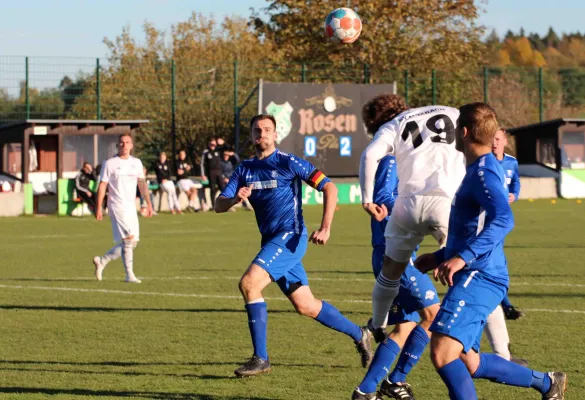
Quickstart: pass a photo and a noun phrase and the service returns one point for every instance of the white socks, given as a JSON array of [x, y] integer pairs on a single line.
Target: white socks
[[497, 333], [384, 293], [113, 254], [128, 258]]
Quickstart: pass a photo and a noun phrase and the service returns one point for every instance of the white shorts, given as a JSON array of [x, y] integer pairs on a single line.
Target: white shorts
[[124, 224], [186, 184], [412, 219]]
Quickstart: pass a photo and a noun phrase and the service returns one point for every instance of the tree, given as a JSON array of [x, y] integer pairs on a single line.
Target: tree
[[418, 35]]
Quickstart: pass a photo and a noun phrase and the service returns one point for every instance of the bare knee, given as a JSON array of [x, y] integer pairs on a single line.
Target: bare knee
[[247, 287], [393, 269], [444, 350], [427, 316], [308, 308]]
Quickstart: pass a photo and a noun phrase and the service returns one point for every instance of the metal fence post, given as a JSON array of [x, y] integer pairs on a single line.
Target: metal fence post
[[540, 94], [173, 116], [434, 85], [486, 98], [406, 86], [97, 89], [26, 85], [236, 110], [366, 73], [304, 73]]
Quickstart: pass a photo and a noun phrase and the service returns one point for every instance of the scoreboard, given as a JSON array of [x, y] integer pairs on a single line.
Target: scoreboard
[[321, 123]]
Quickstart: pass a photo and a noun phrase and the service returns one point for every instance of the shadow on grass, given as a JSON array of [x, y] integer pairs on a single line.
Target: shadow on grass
[[110, 393], [117, 309]]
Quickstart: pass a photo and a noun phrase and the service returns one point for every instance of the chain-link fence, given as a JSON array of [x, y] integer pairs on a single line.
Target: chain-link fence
[[198, 100]]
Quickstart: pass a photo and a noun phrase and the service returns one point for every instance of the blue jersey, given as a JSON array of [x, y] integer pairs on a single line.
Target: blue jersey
[[480, 219], [510, 166], [385, 192], [276, 190]]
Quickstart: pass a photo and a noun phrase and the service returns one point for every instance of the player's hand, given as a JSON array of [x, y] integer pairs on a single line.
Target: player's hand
[[511, 198], [320, 236], [376, 211], [149, 211], [426, 262], [188, 168], [447, 269], [99, 214], [244, 193], [180, 171], [89, 194], [204, 178]]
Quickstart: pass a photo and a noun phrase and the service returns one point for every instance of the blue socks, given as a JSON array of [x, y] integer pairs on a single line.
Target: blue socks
[[332, 318], [458, 381], [383, 359], [506, 302], [258, 322], [413, 349], [500, 370]]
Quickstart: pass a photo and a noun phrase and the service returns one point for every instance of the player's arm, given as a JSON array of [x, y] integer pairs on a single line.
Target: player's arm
[[514, 187], [234, 192], [382, 145], [321, 236], [499, 220], [101, 194]]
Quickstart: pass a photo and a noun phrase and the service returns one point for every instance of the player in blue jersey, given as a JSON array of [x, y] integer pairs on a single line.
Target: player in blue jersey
[[510, 165], [416, 295], [272, 182], [474, 266]]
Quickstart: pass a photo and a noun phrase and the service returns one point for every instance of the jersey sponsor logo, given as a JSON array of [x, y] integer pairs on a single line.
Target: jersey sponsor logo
[[271, 184], [282, 114], [316, 178], [274, 174]]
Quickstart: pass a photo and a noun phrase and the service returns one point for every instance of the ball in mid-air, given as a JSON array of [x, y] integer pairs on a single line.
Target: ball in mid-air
[[343, 25]]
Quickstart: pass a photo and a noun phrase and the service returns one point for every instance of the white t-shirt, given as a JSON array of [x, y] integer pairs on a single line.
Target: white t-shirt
[[423, 142], [122, 178]]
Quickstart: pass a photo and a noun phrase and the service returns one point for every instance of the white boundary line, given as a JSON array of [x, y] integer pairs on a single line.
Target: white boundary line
[[318, 279], [211, 296]]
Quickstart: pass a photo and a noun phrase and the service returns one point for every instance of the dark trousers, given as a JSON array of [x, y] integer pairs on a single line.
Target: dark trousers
[[215, 183], [89, 200]]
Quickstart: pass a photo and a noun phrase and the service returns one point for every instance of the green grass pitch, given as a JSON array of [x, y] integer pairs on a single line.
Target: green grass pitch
[[182, 332]]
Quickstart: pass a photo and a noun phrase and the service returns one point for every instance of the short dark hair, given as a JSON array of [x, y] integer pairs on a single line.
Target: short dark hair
[[261, 117], [86, 163], [381, 109], [227, 147], [125, 134], [481, 121]]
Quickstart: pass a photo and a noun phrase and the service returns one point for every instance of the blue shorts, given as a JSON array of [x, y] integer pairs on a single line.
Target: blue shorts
[[466, 307], [416, 292], [281, 256]]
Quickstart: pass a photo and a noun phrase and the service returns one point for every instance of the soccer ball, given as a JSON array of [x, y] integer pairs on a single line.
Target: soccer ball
[[343, 25]]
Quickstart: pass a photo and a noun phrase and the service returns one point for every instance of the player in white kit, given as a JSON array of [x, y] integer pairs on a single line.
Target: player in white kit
[[429, 170], [121, 175]]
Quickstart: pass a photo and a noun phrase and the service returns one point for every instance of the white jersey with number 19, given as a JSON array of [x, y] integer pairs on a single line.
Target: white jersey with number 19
[[423, 142]]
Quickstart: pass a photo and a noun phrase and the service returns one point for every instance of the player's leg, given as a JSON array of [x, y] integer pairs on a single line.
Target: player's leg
[[295, 285], [511, 312], [251, 285], [402, 239], [128, 245], [497, 333], [100, 263], [445, 355], [385, 354]]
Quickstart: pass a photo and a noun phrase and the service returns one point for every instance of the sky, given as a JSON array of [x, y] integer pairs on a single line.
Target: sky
[[76, 28]]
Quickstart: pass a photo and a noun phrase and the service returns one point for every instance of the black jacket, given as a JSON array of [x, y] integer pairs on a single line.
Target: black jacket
[[210, 161], [163, 171], [182, 164], [82, 181]]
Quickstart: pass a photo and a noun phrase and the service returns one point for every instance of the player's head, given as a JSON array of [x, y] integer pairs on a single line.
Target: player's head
[[182, 155], [125, 144], [381, 109], [500, 142], [477, 124], [162, 156], [87, 168], [263, 132]]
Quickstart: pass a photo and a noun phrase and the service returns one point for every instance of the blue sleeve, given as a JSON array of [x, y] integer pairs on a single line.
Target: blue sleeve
[[515, 182], [308, 173], [489, 191], [234, 184]]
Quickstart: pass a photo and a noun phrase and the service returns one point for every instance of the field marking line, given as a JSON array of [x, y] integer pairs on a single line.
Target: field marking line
[[318, 279], [230, 297]]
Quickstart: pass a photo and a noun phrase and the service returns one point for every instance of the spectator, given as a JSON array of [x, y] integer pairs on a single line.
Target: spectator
[[184, 169], [198, 173], [163, 176], [82, 180], [229, 162], [143, 204], [211, 168]]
